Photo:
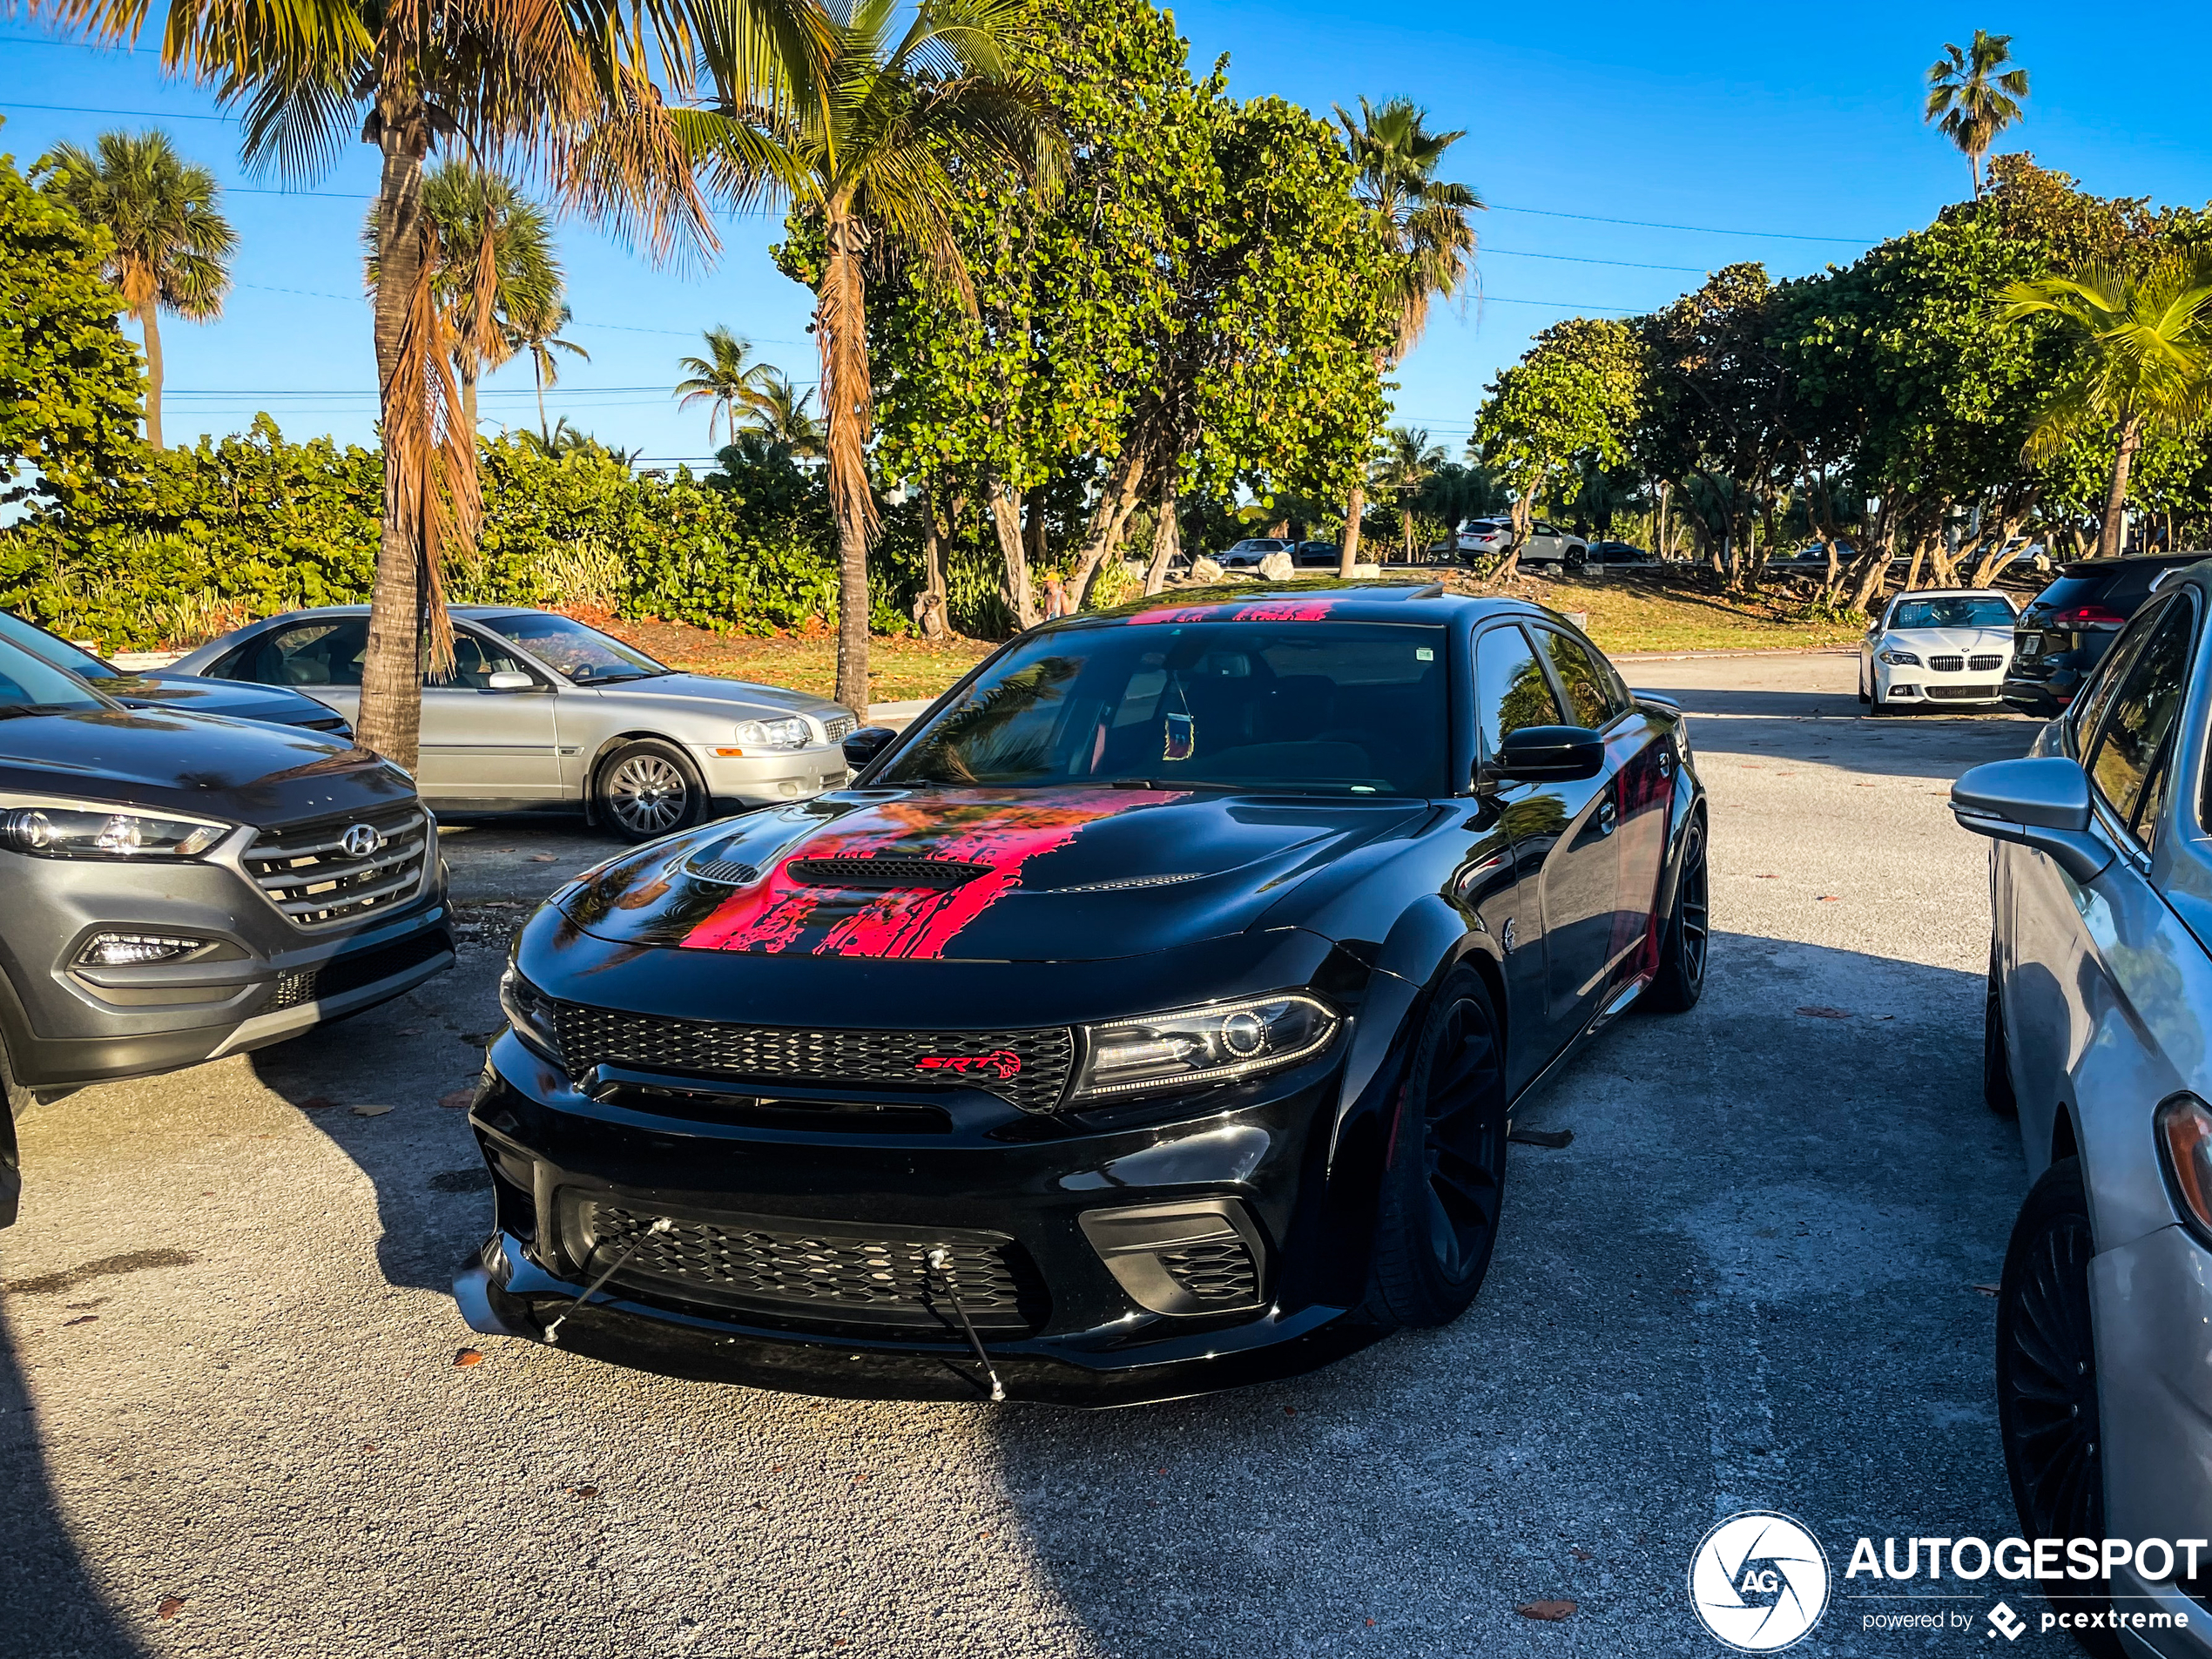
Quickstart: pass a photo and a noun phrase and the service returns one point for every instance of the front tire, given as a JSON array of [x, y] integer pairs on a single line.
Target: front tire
[[1996, 1061], [1685, 940], [2047, 1379], [647, 789], [1437, 1217]]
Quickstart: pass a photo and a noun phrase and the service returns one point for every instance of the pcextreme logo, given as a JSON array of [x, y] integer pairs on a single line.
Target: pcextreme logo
[[1759, 1581]]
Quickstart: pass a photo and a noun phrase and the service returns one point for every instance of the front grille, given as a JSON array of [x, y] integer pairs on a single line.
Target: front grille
[[1946, 665], [343, 973], [1217, 1272], [1025, 1068], [846, 1274], [305, 872], [1985, 664], [839, 727], [938, 874], [1963, 693]]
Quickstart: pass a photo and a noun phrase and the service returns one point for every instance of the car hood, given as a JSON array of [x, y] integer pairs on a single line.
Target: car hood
[[191, 694], [1950, 639], [1030, 875], [203, 765], [687, 691]]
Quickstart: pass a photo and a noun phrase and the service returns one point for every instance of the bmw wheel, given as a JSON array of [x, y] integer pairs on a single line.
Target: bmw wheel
[[1684, 941], [1996, 1063], [648, 789], [2046, 1378], [1437, 1220]]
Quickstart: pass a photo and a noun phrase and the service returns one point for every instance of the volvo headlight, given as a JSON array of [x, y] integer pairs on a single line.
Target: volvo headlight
[[70, 830], [1219, 1042], [531, 1013], [790, 732], [1897, 658]]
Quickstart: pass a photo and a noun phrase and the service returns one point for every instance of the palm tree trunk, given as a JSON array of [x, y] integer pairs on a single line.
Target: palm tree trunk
[[841, 327], [1406, 531], [2131, 438], [538, 374], [391, 706], [469, 396], [154, 371], [1353, 509], [1167, 535]]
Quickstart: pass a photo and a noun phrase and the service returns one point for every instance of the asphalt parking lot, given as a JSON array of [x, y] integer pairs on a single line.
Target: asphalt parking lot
[[230, 1421]]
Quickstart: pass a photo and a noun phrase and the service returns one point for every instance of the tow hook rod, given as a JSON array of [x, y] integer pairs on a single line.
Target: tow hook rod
[[553, 1329], [941, 1261]]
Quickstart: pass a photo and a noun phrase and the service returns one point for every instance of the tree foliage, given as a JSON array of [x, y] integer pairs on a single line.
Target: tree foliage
[[1577, 392]]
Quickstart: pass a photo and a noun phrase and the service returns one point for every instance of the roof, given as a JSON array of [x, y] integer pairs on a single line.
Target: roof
[[1331, 599], [1952, 593], [2135, 561]]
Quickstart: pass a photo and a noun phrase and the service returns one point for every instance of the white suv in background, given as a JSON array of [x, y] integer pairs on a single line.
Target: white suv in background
[[1546, 544]]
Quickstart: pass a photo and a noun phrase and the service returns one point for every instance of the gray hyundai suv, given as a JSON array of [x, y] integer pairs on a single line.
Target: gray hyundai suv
[[181, 887]]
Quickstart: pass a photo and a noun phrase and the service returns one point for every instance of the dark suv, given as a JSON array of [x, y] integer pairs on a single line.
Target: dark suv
[[181, 887], [2065, 630]]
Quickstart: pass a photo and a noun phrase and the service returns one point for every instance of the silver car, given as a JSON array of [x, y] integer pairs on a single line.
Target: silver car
[[2099, 987], [540, 712]]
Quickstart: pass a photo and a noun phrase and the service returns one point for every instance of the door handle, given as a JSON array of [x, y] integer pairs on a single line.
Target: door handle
[[1608, 817]]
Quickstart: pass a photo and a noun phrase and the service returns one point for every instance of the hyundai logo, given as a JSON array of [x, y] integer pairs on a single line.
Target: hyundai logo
[[361, 839]]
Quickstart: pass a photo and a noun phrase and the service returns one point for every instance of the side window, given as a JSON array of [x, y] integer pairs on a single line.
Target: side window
[[1593, 696], [2132, 737], [475, 659], [308, 654], [1510, 689], [2090, 703]]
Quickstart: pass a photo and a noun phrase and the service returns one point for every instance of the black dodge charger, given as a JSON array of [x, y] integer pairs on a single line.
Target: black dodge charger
[[1146, 1019]]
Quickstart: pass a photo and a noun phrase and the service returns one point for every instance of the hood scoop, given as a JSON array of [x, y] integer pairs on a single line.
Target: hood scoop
[[938, 875], [728, 873]]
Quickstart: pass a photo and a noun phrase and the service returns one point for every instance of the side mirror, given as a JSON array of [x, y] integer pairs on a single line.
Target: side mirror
[[1548, 754], [509, 680], [864, 745], [2041, 803]]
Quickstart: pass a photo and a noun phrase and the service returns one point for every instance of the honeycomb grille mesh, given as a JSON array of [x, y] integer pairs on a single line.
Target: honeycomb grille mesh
[[1216, 1272], [1024, 1068], [839, 727], [826, 1273]]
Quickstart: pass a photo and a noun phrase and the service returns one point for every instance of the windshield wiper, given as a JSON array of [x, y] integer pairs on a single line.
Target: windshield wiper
[[1185, 782]]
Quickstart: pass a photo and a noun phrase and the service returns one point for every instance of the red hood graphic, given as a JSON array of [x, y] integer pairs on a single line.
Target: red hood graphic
[[1004, 832], [1259, 610]]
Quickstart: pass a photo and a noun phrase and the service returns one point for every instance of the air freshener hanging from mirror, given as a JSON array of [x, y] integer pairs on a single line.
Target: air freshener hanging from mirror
[[1182, 738]]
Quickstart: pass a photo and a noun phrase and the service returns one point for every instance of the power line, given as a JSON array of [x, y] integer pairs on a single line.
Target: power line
[[1487, 250], [1702, 230], [150, 115]]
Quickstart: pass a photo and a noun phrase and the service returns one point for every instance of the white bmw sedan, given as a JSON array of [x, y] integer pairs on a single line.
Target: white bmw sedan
[[1937, 645]]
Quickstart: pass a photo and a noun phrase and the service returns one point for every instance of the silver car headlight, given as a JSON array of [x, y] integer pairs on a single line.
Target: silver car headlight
[[64, 829], [1897, 658], [790, 732], [1219, 1042]]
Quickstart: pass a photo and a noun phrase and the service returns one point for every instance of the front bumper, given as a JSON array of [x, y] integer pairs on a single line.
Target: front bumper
[[1903, 683], [763, 780]]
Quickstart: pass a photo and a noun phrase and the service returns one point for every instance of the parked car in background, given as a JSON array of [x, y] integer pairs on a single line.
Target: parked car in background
[[1619, 553], [1947, 645], [1546, 544], [1146, 1021], [181, 887], [2065, 630], [167, 689], [2100, 981], [1481, 538], [539, 713], [1813, 557], [1318, 554], [1247, 554]]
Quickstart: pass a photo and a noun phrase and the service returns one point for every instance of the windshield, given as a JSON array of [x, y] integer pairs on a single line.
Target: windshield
[[30, 685], [46, 647], [583, 656], [1313, 708], [1975, 610], [1261, 545]]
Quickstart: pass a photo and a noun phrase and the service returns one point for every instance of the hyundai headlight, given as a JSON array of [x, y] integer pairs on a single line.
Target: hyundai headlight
[[531, 1013], [790, 732], [1897, 658], [1217, 1043], [70, 830]]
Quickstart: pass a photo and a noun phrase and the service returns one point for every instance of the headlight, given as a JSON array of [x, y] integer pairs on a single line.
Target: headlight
[[1217, 1043], [531, 1013], [135, 950], [66, 830], [1900, 659], [2185, 1147], [790, 732]]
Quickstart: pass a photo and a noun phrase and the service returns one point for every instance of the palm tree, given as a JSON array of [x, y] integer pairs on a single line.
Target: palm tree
[[1424, 220], [1973, 97], [173, 247], [870, 144], [723, 380], [2144, 364], [538, 332], [495, 263], [1408, 460], [570, 88], [782, 414], [565, 441]]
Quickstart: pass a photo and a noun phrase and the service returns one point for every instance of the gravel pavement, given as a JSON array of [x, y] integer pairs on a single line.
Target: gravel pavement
[[231, 1420]]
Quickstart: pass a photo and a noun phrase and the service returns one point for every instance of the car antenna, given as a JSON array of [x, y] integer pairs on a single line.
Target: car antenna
[[553, 1329], [940, 1260]]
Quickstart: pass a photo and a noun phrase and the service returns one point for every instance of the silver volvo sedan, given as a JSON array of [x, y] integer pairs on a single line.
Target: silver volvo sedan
[[540, 712], [2099, 987]]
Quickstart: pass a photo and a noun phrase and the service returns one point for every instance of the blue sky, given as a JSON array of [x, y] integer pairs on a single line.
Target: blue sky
[[1789, 134]]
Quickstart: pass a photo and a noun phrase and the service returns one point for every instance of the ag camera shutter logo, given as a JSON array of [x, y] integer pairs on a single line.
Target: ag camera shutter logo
[[1759, 1581]]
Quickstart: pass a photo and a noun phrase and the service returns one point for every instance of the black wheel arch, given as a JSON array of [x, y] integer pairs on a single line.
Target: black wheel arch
[[613, 746]]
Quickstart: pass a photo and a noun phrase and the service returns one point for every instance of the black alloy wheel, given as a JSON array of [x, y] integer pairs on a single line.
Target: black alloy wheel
[[1437, 1220], [647, 789], [2047, 1379], [1687, 938], [1996, 1064]]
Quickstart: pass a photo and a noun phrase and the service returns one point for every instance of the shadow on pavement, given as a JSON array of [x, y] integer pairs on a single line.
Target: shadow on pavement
[[50, 1606], [1828, 729]]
